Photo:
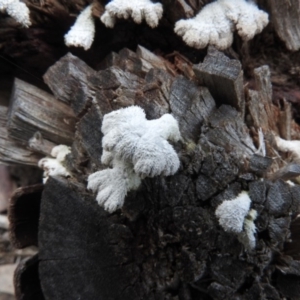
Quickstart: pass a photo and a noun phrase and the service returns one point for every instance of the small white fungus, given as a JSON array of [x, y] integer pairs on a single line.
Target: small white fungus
[[232, 213], [136, 9], [82, 32], [17, 10], [54, 166]]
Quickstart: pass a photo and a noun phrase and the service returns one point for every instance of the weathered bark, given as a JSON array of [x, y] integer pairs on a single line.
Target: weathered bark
[[32, 110], [12, 152]]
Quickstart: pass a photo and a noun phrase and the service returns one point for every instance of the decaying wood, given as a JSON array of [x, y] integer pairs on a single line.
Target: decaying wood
[[12, 152], [285, 16], [32, 110], [223, 77], [23, 215], [40, 145], [26, 280], [166, 242]]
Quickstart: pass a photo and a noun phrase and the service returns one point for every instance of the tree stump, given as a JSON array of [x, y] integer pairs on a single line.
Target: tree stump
[[166, 242]]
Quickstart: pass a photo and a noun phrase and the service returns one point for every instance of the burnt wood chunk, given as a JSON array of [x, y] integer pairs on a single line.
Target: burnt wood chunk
[[228, 130], [12, 152], [258, 191], [223, 77], [89, 134], [81, 253], [279, 198], [23, 214], [68, 80], [153, 96], [27, 281], [31, 109], [191, 105], [260, 164], [115, 88]]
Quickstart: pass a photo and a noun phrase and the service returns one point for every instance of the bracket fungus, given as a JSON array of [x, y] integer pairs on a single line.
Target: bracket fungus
[[216, 22], [54, 166], [135, 148]]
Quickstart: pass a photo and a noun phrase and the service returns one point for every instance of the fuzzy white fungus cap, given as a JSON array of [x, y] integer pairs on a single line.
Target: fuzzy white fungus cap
[[54, 166], [112, 185], [136, 9], [135, 148], [216, 22], [82, 33], [17, 10], [131, 137], [288, 146], [232, 213]]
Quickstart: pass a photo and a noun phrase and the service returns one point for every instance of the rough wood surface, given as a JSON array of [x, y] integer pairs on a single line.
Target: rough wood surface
[[32, 110], [23, 215], [223, 77], [26, 280], [166, 242], [11, 152], [285, 16]]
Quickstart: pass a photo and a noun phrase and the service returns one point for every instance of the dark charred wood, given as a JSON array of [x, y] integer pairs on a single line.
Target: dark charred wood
[[24, 210], [26, 279], [166, 242], [223, 77]]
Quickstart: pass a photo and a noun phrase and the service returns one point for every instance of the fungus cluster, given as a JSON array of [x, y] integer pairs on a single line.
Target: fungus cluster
[[133, 148], [54, 166], [213, 25], [216, 22], [136, 9]]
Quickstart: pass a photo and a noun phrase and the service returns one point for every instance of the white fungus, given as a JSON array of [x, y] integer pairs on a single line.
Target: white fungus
[[288, 146], [216, 22], [135, 148], [17, 10], [54, 166], [136, 9], [82, 32], [231, 213]]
